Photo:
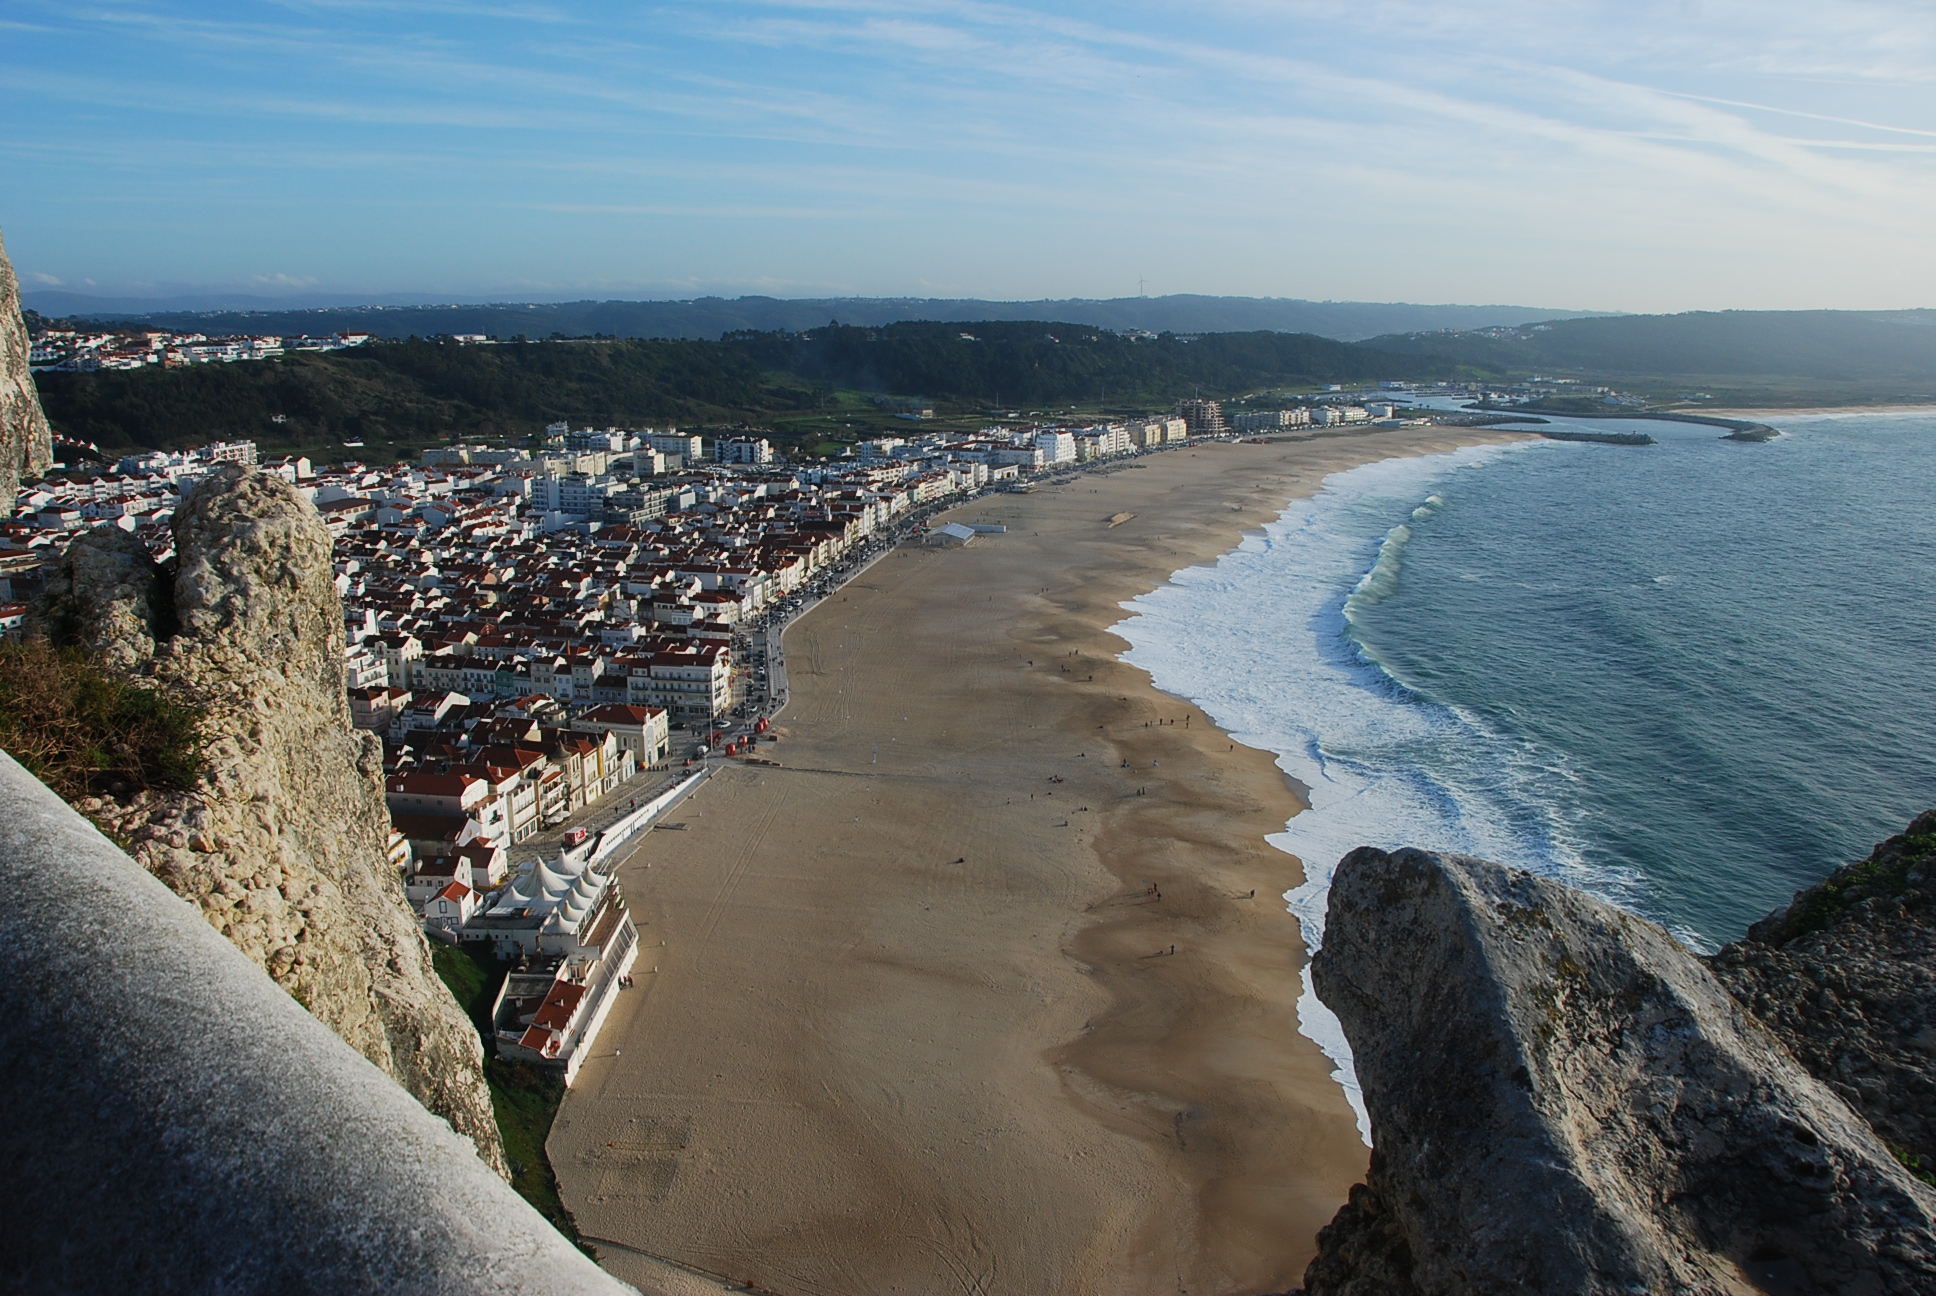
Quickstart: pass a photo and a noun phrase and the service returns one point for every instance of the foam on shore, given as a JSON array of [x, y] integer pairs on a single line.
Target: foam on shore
[[1262, 640]]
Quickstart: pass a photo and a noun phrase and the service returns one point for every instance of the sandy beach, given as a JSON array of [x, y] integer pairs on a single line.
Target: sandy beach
[[971, 993], [1774, 414]]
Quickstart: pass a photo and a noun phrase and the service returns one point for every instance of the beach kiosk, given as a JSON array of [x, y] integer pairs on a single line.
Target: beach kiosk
[[951, 535]]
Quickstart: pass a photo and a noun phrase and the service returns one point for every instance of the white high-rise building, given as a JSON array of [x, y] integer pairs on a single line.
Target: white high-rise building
[[743, 450], [689, 448], [1056, 447]]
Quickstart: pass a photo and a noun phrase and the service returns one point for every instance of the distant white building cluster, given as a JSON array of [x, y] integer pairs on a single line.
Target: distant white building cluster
[[76, 351], [177, 466]]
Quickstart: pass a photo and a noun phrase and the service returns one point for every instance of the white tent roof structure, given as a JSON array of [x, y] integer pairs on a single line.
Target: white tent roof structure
[[560, 892]]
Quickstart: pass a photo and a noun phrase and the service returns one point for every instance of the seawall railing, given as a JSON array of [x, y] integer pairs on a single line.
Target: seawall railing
[[621, 831], [175, 1122]]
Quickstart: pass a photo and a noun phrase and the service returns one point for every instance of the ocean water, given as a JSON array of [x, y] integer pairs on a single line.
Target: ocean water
[[1690, 677]]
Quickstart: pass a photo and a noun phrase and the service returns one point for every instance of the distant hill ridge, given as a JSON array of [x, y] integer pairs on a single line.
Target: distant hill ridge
[[1889, 347], [711, 317]]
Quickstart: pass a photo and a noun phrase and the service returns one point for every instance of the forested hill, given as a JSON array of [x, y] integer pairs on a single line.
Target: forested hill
[[1024, 363], [712, 317], [1880, 349], [417, 390]]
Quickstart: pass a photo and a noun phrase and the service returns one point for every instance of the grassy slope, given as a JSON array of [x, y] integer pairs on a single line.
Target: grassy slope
[[524, 1100]]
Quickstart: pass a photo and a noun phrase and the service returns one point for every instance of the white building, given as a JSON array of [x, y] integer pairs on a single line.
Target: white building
[[1270, 420], [1027, 458], [610, 440], [641, 730], [690, 449], [952, 535], [450, 908], [1056, 447], [570, 922], [743, 450], [1335, 415], [573, 494], [1103, 441]]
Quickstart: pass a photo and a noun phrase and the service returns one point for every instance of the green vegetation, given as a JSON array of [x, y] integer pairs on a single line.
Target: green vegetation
[[472, 982], [524, 1099], [1029, 364], [1885, 873], [84, 732], [526, 1102], [401, 395], [1924, 1168], [809, 387], [710, 317], [834, 385]]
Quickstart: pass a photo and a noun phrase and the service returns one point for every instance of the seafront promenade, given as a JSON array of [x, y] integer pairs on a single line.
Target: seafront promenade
[[917, 1023]]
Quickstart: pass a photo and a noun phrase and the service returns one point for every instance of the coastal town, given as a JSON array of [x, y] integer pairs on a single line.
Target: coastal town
[[557, 643], [968, 650], [89, 350]]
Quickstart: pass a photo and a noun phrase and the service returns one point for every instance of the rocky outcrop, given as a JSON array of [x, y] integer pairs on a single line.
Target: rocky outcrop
[[283, 844], [26, 442], [1564, 1099], [1846, 977]]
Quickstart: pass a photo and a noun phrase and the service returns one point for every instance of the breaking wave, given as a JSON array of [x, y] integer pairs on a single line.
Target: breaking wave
[[1262, 640]]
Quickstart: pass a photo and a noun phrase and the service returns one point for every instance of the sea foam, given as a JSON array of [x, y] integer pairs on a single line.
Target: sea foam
[[1262, 640]]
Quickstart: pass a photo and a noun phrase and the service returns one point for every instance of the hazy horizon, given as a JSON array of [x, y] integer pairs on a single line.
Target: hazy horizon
[[181, 294], [1649, 158]]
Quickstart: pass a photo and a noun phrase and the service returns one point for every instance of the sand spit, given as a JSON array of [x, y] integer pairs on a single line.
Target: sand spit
[[916, 1024]]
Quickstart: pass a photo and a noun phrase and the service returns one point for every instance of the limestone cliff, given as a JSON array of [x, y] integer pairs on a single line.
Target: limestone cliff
[[1846, 977], [26, 443], [283, 844], [1564, 1099]]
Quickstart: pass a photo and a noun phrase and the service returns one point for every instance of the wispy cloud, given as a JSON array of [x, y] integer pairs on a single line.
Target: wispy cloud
[[1655, 153]]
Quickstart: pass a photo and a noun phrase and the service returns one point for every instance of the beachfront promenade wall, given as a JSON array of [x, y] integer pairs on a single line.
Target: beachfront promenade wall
[[621, 831], [176, 1122]]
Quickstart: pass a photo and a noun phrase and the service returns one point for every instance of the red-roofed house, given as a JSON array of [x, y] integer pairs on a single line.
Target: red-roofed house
[[450, 909], [641, 730]]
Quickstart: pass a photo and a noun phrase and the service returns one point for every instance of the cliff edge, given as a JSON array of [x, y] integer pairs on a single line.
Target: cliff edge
[[1846, 978], [26, 442], [1564, 1099], [282, 844]]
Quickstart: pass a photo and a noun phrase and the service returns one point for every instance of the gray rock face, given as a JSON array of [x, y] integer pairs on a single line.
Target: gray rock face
[[107, 597], [1564, 1099], [1846, 977], [146, 1062], [283, 845], [26, 442]]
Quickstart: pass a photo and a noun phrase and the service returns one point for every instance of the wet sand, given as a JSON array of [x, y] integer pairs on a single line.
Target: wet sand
[[916, 1025]]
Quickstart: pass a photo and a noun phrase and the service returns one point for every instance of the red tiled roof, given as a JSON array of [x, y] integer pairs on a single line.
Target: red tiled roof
[[560, 1006]]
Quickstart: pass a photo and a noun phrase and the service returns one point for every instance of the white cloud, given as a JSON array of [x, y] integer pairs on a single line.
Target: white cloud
[[1656, 153]]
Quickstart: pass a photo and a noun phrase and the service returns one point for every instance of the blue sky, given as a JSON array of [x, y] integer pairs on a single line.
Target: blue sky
[[1647, 155]]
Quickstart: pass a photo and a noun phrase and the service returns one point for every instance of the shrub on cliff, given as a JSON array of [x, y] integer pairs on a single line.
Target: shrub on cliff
[[84, 732]]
